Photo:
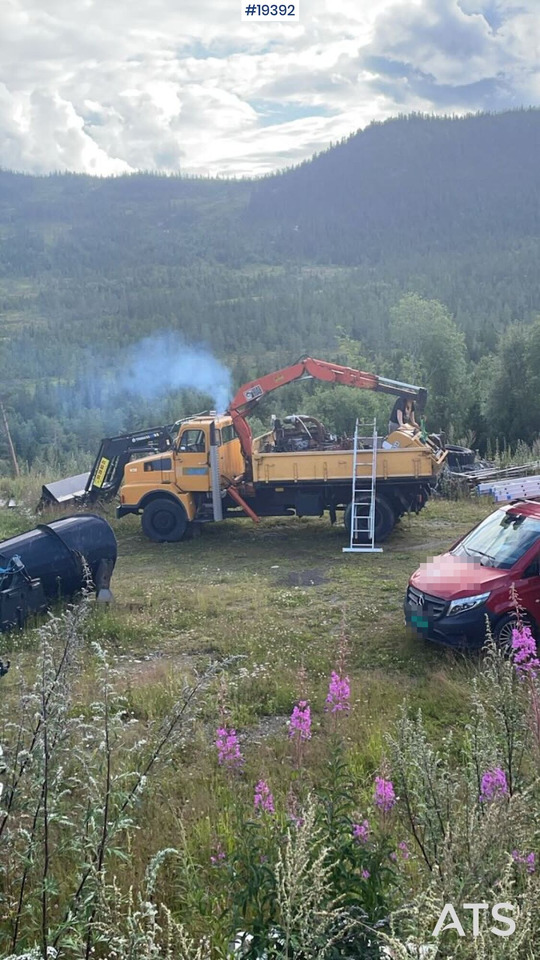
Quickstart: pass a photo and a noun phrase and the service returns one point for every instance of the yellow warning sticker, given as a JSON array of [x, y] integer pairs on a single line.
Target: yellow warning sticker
[[101, 472]]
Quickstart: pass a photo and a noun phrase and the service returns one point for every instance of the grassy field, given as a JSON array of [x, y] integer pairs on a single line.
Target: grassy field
[[281, 595], [285, 600]]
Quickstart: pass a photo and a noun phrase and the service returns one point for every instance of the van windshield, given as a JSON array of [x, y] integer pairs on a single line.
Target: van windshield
[[500, 540]]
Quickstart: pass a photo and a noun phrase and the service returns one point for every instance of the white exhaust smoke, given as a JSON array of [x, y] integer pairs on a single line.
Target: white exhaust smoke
[[164, 362]]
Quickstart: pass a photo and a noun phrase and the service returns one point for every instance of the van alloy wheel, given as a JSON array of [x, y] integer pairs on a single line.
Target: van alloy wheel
[[502, 632]]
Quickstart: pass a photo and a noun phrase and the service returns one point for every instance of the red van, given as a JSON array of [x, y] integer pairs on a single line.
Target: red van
[[449, 597]]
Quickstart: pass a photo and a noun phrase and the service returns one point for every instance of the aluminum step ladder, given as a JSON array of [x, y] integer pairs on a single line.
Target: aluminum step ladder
[[363, 510]]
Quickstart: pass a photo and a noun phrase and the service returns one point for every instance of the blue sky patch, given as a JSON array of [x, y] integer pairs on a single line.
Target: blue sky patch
[[271, 113]]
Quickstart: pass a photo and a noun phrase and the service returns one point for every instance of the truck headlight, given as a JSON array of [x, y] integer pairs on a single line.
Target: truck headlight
[[466, 604]]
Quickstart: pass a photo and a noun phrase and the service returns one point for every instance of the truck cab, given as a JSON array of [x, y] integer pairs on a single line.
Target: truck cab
[[192, 452], [449, 597], [174, 489]]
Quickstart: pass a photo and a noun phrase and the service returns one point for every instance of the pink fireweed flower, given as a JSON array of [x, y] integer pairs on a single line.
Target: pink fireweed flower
[[293, 811], [524, 652], [403, 848], [529, 861], [385, 797], [228, 749], [361, 831], [339, 693], [300, 722], [365, 874], [263, 800], [493, 785], [218, 856]]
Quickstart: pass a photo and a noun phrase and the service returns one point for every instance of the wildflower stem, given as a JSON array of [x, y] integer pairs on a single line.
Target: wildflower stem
[[10, 794], [45, 795], [104, 827], [24, 877], [405, 796], [74, 902]]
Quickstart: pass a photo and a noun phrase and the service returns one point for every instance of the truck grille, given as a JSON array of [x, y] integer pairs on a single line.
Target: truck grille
[[432, 607]]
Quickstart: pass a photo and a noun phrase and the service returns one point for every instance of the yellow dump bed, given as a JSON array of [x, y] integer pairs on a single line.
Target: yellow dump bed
[[401, 455]]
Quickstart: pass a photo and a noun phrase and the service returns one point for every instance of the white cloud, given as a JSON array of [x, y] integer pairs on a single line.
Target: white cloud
[[41, 131], [107, 86]]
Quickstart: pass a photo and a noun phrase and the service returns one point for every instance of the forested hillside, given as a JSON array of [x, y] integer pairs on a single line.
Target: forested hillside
[[414, 184], [411, 248]]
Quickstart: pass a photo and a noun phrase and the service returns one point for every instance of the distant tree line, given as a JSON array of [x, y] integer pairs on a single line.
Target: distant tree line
[[494, 399], [411, 248]]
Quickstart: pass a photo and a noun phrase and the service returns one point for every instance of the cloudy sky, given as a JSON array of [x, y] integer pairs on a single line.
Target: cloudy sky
[[113, 86]]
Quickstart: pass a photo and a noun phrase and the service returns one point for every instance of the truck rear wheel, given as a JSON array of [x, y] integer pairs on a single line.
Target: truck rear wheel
[[164, 521], [385, 519]]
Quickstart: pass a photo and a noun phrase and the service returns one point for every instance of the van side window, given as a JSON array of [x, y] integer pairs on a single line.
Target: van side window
[[533, 570], [193, 441]]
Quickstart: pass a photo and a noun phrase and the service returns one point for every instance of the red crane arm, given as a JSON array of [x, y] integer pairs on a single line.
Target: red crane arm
[[307, 368]]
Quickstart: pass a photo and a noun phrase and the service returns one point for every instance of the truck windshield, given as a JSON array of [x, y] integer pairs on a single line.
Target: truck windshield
[[500, 540]]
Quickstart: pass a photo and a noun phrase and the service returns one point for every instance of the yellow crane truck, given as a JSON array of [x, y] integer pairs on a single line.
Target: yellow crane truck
[[214, 468]]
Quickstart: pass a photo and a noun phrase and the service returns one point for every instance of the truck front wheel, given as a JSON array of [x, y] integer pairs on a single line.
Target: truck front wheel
[[164, 521], [385, 519]]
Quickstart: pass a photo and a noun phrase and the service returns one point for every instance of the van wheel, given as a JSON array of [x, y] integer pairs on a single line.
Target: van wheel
[[502, 631], [164, 521], [385, 519]]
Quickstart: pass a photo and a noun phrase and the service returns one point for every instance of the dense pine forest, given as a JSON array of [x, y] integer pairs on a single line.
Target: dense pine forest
[[410, 249]]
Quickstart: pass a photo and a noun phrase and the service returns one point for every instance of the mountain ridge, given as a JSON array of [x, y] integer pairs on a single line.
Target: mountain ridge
[[263, 271]]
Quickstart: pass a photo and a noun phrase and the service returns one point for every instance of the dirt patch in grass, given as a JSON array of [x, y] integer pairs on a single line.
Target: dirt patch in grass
[[305, 578], [266, 728]]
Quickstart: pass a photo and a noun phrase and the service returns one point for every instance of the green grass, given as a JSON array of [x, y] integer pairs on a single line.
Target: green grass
[[285, 600], [279, 595]]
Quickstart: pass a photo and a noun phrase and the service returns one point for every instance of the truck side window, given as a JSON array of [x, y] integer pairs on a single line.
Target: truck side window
[[193, 441], [228, 433]]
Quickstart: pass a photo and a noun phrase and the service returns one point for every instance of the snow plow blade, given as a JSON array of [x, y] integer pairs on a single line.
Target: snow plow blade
[[63, 492], [103, 481]]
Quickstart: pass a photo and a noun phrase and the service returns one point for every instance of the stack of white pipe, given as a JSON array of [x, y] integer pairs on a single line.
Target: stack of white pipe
[[505, 491]]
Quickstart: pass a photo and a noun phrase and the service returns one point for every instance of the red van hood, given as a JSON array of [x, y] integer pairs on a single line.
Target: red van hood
[[453, 577]]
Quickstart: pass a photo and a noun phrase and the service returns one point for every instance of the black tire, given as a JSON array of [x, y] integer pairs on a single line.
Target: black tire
[[164, 521], [502, 631], [385, 519]]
